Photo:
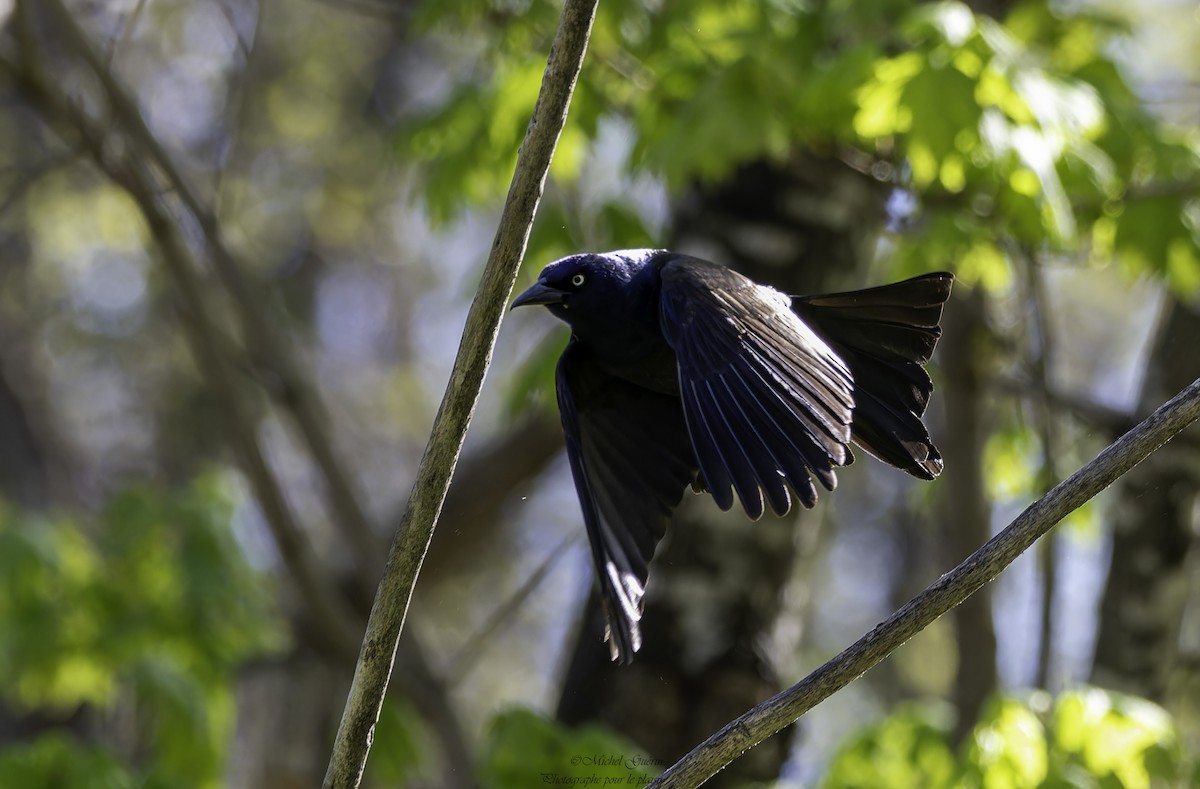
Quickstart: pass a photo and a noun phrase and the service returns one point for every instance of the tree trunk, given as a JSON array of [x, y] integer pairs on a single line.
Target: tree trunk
[[1138, 647], [965, 509]]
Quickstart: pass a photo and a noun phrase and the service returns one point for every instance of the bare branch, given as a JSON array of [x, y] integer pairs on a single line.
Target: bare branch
[[1097, 415], [481, 494], [337, 620], [127, 152], [943, 594], [272, 356], [327, 604], [131, 22], [353, 740], [467, 656]]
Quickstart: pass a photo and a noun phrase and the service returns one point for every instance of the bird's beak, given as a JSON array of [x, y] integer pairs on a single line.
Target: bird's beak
[[540, 293]]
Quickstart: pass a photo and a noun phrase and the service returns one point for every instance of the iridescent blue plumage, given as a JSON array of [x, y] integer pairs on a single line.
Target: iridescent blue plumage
[[680, 372]]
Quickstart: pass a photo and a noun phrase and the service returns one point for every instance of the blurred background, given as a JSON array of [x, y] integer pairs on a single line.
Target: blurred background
[[237, 244]]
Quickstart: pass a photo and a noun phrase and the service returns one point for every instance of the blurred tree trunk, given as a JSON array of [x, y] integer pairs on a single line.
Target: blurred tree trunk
[[283, 735], [24, 463], [1138, 646], [27, 444], [965, 509], [24, 487], [715, 588], [24, 477]]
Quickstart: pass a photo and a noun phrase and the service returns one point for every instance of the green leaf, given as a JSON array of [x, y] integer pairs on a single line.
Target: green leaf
[[1008, 747], [56, 760], [945, 115], [957, 241], [156, 600], [1011, 458], [401, 746], [908, 750], [881, 110], [524, 749], [1154, 234], [1117, 736], [622, 228], [950, 22]]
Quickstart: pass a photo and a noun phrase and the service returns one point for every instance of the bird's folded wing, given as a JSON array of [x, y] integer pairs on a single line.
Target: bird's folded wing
[[766, 400], [631, 460]]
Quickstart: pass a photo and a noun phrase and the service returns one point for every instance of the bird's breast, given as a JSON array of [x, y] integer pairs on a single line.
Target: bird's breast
[[656, 370]]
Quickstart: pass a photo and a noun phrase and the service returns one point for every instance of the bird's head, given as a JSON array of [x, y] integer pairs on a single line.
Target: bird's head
[[593, 290]]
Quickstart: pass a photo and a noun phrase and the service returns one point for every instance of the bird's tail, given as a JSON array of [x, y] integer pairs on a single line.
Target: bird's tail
[[885, 334]]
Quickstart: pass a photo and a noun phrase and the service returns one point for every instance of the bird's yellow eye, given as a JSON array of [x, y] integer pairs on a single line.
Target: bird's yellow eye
[[578, 280]]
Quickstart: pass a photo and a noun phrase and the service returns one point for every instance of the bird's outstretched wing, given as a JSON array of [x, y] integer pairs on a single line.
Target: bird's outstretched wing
[[885, 334], [631, 459], [766, 400]]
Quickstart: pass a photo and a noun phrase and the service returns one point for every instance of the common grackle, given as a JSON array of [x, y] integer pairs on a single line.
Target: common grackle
[[681, 372]]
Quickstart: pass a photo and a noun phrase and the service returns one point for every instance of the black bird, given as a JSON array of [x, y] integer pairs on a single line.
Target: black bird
[[681, 372]]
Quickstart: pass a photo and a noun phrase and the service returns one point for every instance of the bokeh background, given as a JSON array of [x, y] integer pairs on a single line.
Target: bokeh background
[[238, 239]]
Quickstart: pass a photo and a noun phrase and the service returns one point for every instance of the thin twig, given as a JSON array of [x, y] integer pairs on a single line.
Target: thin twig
[[484, 482], [948, 591], [353, 740], [467, 656], [242, 45], [121, 41], [235, 100]]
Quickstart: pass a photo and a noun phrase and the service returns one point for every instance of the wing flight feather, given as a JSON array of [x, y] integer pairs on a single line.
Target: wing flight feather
[[631, 460], [768, 403]]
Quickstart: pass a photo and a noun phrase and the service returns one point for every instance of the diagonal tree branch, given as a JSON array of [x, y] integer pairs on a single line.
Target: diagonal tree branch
[[278, 370], [337, 619], [353, 741], [943, 594], [131, 156], [468, 654], [328, 606]]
